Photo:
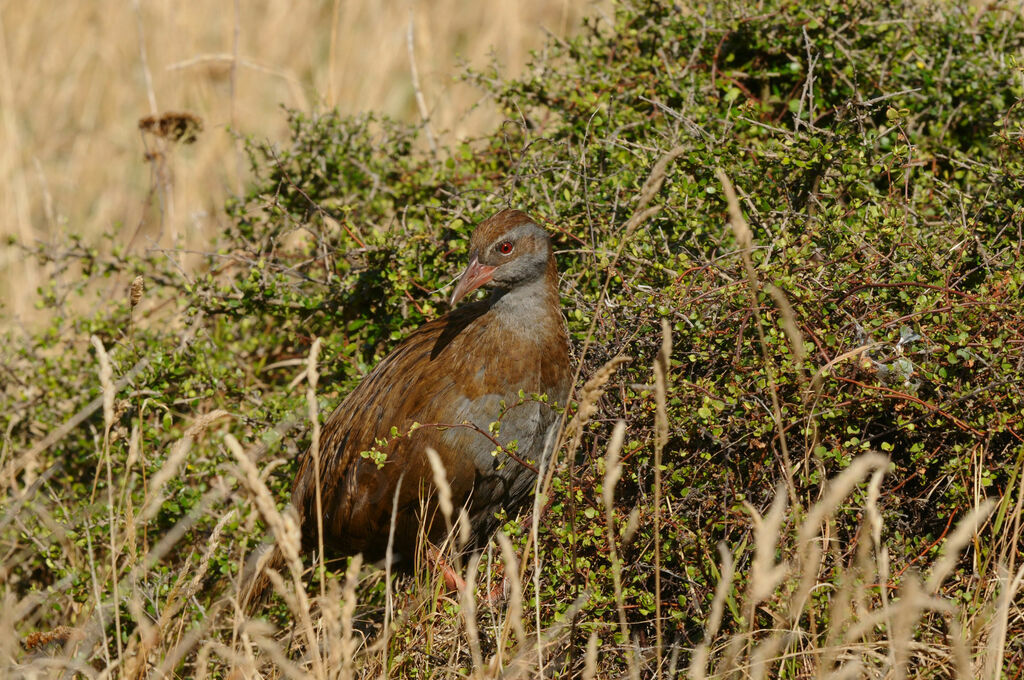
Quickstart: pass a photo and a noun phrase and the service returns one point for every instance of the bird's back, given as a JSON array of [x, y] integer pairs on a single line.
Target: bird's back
[[462, 371]]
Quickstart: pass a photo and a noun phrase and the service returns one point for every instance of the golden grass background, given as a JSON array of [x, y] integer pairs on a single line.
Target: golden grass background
[[76, 77]]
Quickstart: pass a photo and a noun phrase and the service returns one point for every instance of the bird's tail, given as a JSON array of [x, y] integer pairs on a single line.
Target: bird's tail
[[257, 586]]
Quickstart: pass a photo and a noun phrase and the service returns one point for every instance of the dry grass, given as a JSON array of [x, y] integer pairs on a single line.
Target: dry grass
[[76, 79], [792, 573], [798, 607], [796, 579]]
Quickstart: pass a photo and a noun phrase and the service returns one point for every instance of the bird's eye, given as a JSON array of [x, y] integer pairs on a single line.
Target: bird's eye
[[505, 247]]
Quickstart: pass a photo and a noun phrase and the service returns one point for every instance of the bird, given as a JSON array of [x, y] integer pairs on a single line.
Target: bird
[[501, 359]]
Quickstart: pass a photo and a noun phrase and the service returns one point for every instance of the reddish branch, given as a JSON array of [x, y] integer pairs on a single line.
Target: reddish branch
[[896, 394]]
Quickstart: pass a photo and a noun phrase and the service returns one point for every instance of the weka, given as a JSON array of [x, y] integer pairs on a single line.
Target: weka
[[454, 376]]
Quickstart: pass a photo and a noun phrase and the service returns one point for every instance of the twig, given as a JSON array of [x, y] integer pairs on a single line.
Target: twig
[[745, 241], [896, 394], [661, 367], [314, 447], [332, 56], [613, 472], [421, 103], [233, 84], [494, 440], [147, 76]]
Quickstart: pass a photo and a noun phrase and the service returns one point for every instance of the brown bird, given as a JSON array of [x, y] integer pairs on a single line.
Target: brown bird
[[442, 388]]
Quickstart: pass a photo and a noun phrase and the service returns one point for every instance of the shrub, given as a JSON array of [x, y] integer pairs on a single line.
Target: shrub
[[866, 299]]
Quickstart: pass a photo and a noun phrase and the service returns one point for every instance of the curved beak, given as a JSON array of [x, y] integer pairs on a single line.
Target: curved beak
[[476, 275]]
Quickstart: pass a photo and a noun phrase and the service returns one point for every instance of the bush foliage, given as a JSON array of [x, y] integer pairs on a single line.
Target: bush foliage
[[876, 151]]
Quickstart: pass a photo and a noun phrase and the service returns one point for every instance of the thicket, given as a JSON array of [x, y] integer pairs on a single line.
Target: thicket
[[860, 295]]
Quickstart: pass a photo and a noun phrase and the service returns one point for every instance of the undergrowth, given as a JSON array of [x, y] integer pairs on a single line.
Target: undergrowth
[[790, 245]]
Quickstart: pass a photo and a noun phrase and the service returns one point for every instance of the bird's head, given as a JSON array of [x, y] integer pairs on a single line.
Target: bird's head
[[505, 251]]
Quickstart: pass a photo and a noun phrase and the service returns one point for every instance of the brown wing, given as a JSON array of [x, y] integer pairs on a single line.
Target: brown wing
[[463, 367], [412, 384]]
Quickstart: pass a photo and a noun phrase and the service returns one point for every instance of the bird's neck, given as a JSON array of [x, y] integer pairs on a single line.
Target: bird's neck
[[531, 303]]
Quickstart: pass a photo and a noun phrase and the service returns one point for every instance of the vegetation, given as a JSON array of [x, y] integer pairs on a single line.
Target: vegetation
[[80, 80], [790, 240]]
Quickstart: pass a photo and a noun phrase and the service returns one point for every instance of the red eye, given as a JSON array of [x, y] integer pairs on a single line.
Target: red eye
[[505, 247]]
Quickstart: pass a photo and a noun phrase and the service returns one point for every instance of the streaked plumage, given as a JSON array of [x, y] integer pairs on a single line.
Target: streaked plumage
[[468, 366]]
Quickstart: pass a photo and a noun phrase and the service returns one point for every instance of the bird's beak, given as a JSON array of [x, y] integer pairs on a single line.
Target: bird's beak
[[476, 275]]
